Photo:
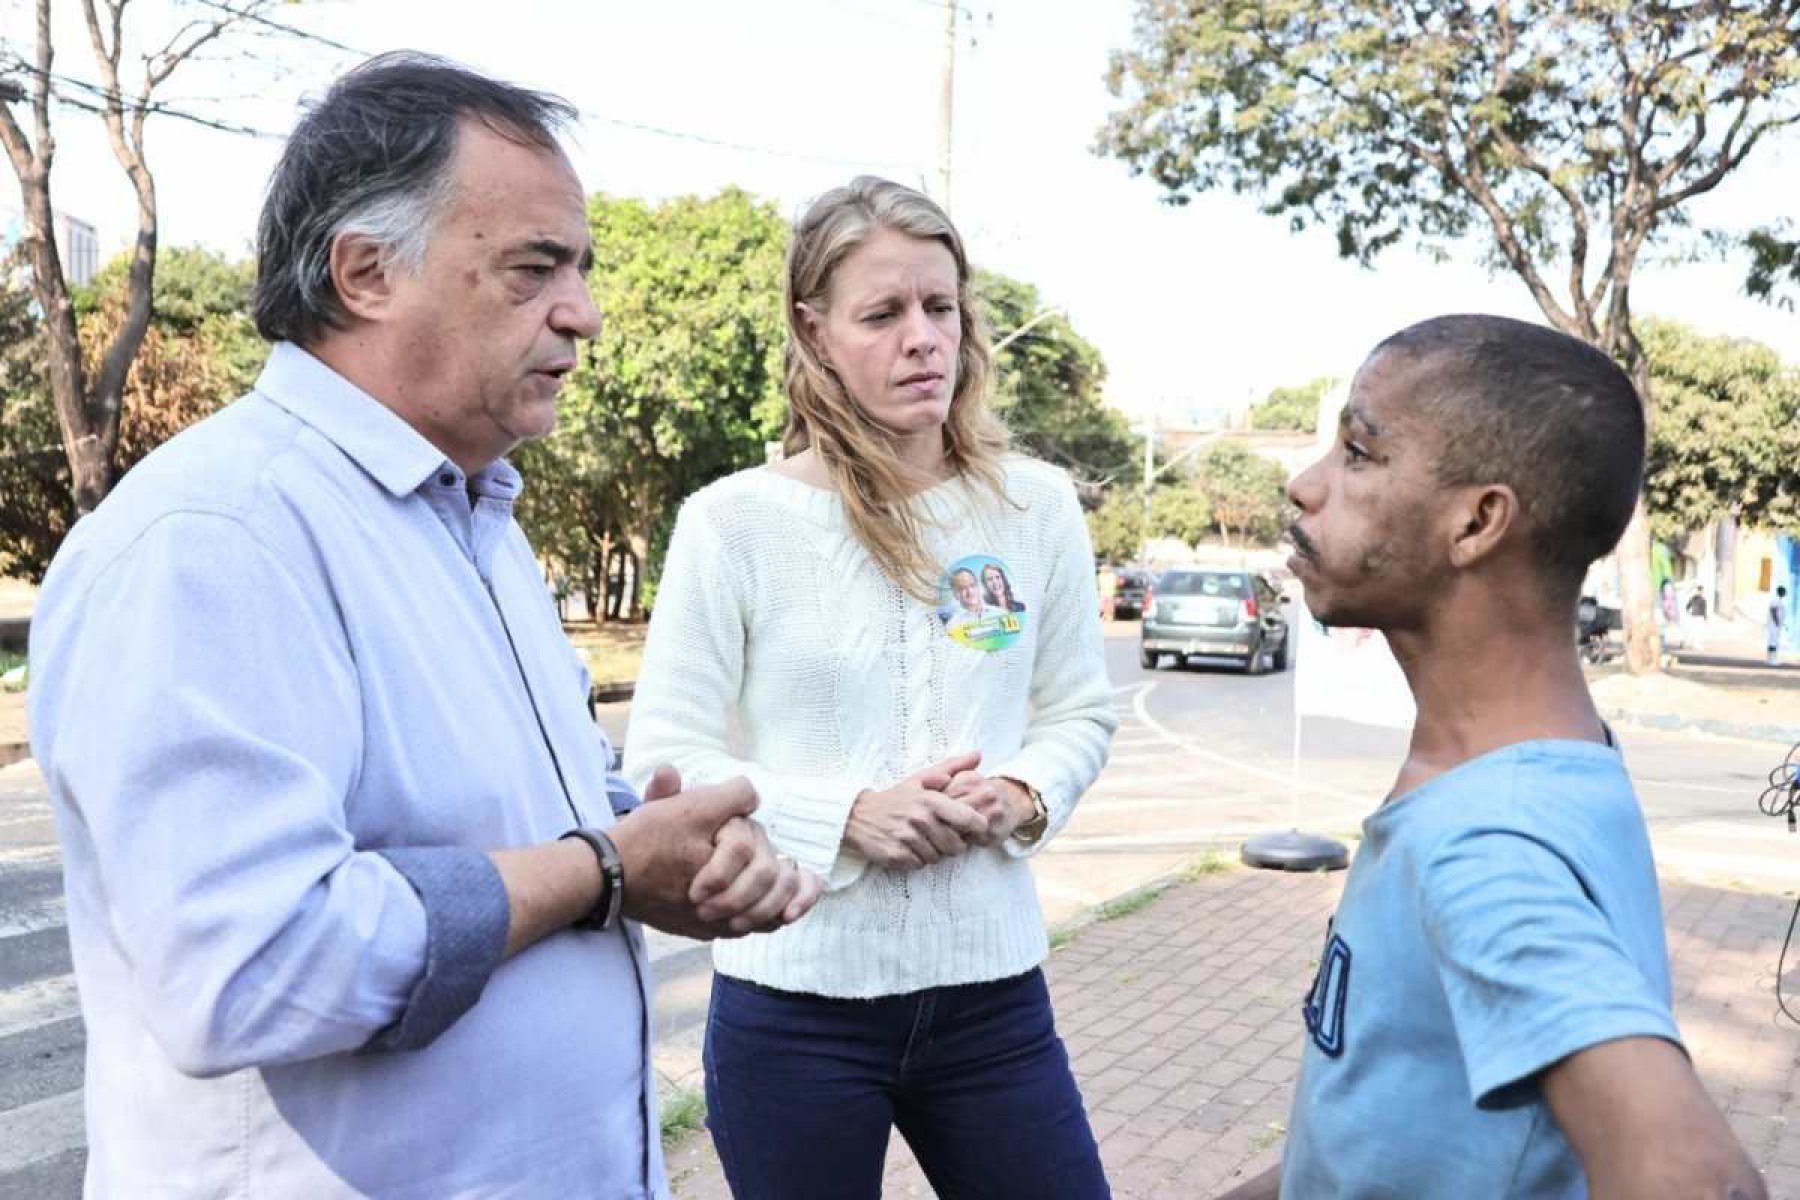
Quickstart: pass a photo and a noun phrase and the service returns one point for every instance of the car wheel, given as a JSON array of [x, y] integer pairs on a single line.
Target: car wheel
[[1253, 661], [1281, 656], [1148, 659]]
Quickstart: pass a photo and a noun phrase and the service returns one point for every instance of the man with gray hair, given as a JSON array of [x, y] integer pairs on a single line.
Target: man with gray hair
[[352, 890]]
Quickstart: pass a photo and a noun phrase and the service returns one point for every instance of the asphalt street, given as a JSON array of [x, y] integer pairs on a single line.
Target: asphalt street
[[1204, 757]]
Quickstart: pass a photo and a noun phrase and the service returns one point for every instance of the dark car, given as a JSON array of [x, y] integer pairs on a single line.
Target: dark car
[[1195, 612], [1128, 592]]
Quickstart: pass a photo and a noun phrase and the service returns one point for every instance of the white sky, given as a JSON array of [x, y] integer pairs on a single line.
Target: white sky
[[1195, 307]]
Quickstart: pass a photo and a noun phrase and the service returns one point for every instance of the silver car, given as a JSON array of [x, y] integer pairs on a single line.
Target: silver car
[[1192, 613]]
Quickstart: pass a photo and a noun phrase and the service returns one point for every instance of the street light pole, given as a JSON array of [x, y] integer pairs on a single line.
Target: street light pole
[[946, 103], [1040, 315]]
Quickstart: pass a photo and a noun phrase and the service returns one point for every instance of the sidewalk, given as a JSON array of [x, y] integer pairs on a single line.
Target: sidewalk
[[1183, 1023], [1722, 686]]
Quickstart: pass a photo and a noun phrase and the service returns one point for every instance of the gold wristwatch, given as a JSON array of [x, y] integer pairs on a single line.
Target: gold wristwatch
[[1031, 830]]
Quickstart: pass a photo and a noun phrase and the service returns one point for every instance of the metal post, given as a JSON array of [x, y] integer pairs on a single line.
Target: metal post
[[946, 102]]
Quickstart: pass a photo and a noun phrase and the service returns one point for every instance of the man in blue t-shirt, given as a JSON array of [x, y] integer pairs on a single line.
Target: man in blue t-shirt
[[1491, 1014]]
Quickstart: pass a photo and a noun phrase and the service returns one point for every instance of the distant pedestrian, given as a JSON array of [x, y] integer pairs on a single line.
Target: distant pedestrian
[[1491, 1014], [1777, 622]]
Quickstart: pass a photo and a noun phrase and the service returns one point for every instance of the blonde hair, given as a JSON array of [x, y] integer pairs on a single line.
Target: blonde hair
[[862, 457]]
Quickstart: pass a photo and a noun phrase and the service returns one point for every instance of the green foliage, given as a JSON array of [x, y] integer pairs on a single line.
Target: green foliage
[[1214, 862], [1245, 491], [1774, 265], [1117, 526], [1568, 134], [1047, 386], [1552, 126], [1180, 511], [683, 385], [1292, 408], [36, 505], [1726, 439], [201, 351], [683, 1111]]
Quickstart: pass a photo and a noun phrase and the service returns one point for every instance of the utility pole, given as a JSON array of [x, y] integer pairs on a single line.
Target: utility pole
[[1149, 480], [946, 102], [1149, 464]]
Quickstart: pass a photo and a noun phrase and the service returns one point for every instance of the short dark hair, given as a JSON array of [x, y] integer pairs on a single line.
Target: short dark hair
[[374, 157], [1546, 414]]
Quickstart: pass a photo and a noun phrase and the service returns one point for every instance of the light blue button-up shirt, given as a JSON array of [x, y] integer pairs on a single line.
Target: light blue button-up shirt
[[289, 683]]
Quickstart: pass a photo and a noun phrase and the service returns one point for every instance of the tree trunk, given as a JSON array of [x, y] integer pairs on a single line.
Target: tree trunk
[[1637, 603], [1725, 566], [638, 542], [88, 444]]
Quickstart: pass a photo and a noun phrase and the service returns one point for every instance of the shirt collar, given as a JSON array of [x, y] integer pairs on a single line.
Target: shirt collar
[[370, 433]]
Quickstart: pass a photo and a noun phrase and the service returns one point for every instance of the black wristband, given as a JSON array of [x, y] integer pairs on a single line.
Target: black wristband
[[605, 913]]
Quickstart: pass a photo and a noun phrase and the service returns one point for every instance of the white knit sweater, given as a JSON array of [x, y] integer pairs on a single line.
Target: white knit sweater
[[779, 651]]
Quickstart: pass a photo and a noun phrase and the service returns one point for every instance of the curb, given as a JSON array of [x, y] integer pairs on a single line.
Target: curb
[[1785, 735], [1101, 910], [612, 691]]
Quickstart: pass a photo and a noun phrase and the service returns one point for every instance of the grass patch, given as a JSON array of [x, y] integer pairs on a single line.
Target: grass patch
[[1136, 902], [683, 1111], [10, 660], [1268, 1137], [611, 649], [1216, 862], [1061, 938]]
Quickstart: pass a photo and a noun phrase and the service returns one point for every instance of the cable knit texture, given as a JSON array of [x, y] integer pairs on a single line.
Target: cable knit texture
[[779, 651]]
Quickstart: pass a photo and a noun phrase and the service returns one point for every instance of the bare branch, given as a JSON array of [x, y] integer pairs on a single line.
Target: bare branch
[[1685, 155], [18, 146], [1729, 156], [170, 57], [1474, 183]]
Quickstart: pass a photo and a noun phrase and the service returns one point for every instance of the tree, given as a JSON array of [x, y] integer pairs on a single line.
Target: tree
[[1047, 386], [35, 509], [1180, 511], [1727, 436], [1245, 491], [1117, 526], [682, 387], [89, 396], [1569, 133], [1292, 408], [199, 351]]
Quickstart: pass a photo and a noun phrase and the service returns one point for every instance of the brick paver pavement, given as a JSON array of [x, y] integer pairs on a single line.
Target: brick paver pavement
[[1183, 1023]]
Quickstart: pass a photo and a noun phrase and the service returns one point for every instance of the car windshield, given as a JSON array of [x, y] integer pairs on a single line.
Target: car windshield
[[1202, 583]]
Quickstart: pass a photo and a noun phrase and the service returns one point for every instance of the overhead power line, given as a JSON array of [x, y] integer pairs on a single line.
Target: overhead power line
[[165, 109], [59, 82], [292, 30]]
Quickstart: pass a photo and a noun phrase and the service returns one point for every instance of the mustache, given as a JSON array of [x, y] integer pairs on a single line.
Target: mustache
[[1302, 543]]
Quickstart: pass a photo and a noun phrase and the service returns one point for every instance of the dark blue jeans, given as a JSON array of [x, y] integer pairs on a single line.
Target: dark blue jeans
[[801, 1092]]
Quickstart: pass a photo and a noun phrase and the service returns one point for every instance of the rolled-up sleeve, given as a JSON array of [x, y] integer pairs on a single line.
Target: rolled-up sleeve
[[466, 918], [199, 717]]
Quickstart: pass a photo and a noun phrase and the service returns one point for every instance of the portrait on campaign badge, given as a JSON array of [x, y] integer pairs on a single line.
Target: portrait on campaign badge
[[977, 604]]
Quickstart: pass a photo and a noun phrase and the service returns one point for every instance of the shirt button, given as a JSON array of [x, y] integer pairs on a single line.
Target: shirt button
[[447, 479]]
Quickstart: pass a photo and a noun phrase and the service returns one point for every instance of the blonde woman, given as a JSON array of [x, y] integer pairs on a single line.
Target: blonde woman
[[914, 763]]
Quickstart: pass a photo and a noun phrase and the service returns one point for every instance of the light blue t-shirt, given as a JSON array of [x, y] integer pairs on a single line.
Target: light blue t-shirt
[[1496, 920]]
